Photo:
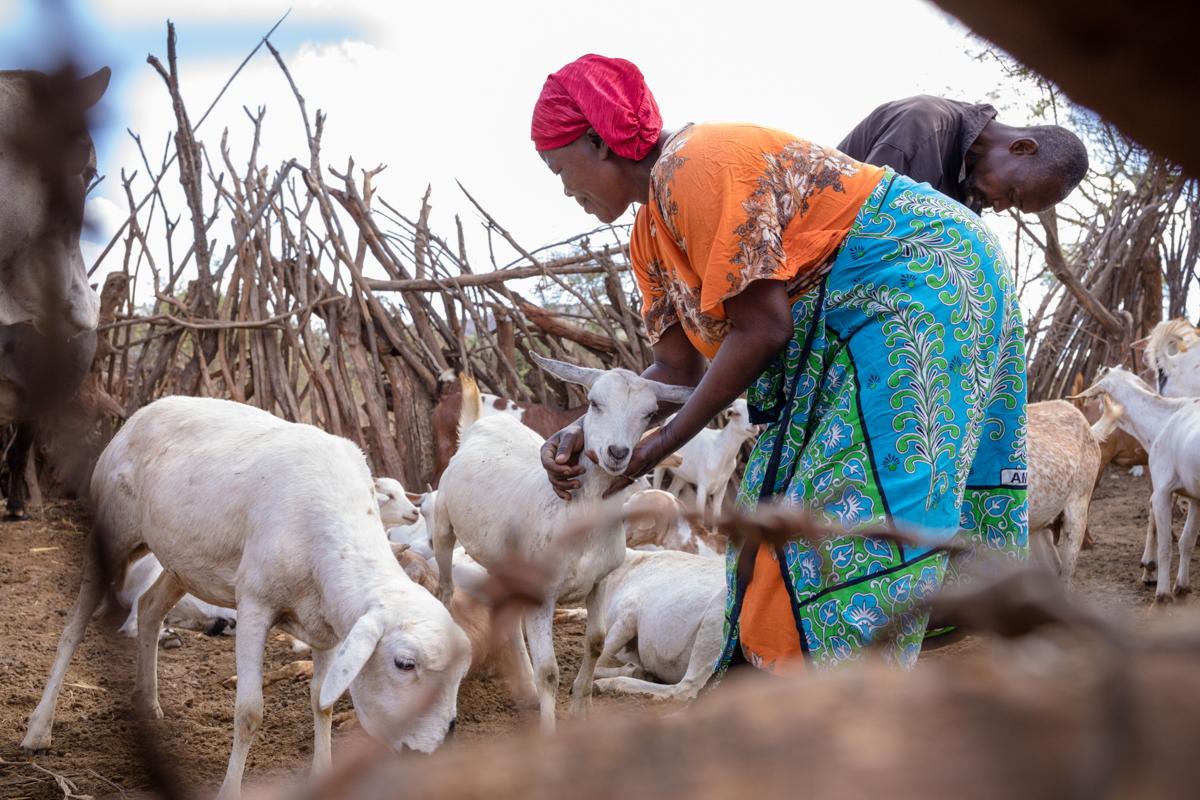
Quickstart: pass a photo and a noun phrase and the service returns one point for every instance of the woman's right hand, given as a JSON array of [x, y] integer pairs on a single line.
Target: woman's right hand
[[560, 459]]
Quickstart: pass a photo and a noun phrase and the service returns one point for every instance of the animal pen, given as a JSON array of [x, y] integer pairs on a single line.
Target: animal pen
[[278, 312]]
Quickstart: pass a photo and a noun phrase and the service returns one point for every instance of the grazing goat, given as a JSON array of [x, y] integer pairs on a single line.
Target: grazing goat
[[495, 498], [1169, 429], [278, 519], [1064, 456], [654, 518], [192, 612], [37, 373], [710, 458], [47, 162], [545, 420], [665, 612]]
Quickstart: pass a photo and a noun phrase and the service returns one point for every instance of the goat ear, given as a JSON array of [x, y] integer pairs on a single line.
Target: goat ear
[[351, 657], [667, 393], [413, 497], [584, 376], [1140, 344]]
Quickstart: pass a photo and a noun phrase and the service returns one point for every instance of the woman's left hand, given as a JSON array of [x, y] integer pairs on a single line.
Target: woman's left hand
[[646, 456]]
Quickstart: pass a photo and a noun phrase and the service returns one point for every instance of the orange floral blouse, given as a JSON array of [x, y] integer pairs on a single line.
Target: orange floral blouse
[[732, 203]]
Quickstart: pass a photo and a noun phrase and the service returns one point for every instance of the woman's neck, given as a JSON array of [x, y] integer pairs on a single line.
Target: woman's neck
[[638, 173]]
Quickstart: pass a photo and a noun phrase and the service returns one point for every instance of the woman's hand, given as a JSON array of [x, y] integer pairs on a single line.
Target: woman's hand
[[560, 459], [646, 456]]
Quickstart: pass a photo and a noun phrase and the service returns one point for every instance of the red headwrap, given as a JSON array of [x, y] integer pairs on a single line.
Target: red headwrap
[[608, 94]]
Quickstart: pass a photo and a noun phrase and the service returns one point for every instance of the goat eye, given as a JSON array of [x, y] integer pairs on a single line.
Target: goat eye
[[405, 664]]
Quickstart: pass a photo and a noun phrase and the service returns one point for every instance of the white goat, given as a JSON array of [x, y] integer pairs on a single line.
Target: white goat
[[1064, 458], [657, 519], [1175, 363], [710, 458], [395, 508], [495, 498], [395, 505], [665, 612], [1169, 429], [279, 519]]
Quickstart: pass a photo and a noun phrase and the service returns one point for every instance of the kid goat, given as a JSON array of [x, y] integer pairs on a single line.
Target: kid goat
[[494, 498]]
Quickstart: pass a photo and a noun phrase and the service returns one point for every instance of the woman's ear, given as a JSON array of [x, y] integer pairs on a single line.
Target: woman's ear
[[598, 144]]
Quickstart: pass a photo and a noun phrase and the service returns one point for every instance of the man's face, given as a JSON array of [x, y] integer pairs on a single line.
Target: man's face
[[590, 175], [1005, 178]]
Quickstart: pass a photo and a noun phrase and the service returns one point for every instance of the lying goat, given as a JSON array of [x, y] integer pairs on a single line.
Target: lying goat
[[495, 498], [665, 612], [279, 519]]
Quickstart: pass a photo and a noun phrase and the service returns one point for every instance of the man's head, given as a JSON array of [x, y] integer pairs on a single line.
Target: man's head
[[1030, 169]]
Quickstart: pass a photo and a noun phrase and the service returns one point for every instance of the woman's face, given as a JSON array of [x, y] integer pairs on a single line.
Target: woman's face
[[591, 175]]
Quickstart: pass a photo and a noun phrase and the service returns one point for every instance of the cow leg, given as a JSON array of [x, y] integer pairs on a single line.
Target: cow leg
[[539, 625], [37, 736], [1187, 543], [593, 646], [322, 718], [18, 454]]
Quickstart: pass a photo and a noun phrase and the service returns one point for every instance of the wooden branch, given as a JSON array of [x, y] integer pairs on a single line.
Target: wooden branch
[[1058, 265], [216, 325], [578, 265], [552, 324]]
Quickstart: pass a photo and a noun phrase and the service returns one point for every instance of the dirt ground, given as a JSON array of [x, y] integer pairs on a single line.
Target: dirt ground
[[96, 742]]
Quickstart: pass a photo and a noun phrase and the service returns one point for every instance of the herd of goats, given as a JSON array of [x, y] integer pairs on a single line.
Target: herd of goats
[[395, 594]]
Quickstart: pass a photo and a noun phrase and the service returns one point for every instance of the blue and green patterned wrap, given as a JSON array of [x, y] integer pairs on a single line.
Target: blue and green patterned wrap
[[901, 400]]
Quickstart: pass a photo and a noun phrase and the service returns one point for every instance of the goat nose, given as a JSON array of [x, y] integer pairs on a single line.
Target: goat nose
[[617, 453]]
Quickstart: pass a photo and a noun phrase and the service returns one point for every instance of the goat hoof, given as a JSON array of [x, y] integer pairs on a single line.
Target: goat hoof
[[169, 639], [1163, 599], [14, 517], [1181, 590]]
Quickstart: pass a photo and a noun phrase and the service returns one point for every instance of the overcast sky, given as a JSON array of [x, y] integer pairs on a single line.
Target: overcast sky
[[443, 91]]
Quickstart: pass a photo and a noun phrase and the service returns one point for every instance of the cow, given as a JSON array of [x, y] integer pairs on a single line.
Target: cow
[[47, 162]]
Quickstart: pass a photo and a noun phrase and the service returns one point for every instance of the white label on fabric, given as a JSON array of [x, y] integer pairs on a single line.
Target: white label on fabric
[[1014, 478]]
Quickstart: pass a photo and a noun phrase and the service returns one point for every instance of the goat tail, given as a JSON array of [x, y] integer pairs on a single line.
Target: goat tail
[[1107, 423], [472, 405]]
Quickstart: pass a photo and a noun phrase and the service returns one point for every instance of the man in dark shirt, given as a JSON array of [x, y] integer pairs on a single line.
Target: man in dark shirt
[[965, 153]]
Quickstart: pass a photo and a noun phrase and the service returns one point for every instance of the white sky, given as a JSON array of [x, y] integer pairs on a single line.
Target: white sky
[[443, 91]]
